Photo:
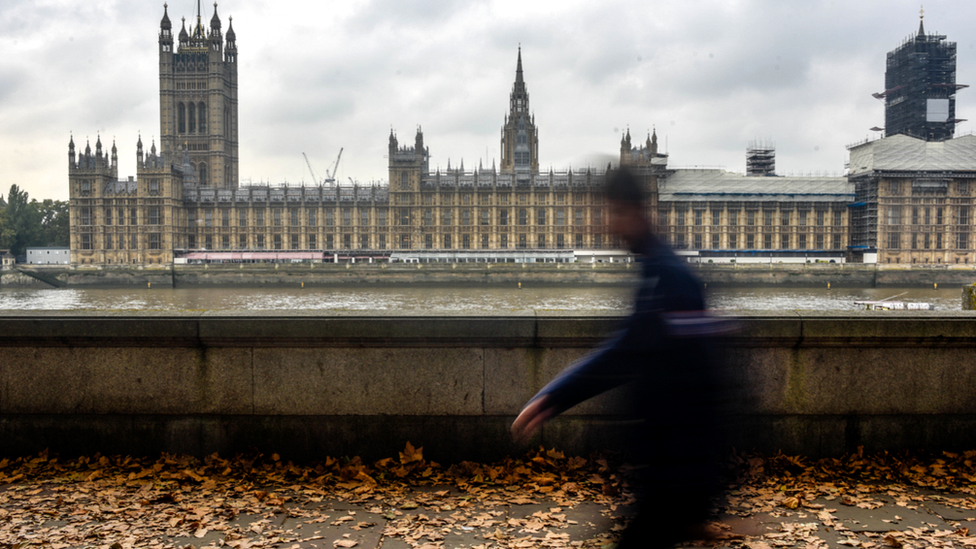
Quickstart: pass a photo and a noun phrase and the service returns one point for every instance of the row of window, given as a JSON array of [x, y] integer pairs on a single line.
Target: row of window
[[752, 218], [896, 187], [927, 216], [117, 216], [927, 241], [752, 242], [121, 242], [191, 117], [403, 241], [489, 199], [279, 216]]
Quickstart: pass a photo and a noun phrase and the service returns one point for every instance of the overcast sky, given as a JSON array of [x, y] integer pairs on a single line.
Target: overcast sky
[[316, 76]]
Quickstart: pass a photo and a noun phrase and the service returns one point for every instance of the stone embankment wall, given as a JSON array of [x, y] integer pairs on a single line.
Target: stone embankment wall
[[307, 386], [328, 274]]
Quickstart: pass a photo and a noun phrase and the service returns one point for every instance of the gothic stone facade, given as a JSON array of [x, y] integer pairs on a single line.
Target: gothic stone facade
[[186, 197], [198, 99], [915, 199]]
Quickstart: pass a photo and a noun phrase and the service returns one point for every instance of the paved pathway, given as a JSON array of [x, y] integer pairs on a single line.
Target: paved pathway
[[145, 504]]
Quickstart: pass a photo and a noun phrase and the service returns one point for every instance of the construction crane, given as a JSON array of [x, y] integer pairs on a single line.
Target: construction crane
[[315, 180], [330, 176]]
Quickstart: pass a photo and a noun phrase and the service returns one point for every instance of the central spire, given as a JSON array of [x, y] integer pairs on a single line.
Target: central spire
[[518, 70], [921, 21], [520, 96]]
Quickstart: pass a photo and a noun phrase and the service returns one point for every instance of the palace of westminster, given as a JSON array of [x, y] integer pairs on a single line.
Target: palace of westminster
[[907, 198]]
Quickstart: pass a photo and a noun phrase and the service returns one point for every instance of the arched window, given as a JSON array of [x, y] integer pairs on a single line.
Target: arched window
[[227, 175], [202, 114], [226, 123], [192, 115], [404, 180], [202, 169], [181, 118]]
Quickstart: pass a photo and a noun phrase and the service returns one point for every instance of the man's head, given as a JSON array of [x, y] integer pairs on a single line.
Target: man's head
[[627, 218]]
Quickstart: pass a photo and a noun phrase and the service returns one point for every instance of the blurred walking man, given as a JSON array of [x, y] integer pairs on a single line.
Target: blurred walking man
[[667, 348]]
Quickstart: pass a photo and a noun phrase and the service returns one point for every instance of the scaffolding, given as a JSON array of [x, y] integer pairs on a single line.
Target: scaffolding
[[920, 88], [761, 159]]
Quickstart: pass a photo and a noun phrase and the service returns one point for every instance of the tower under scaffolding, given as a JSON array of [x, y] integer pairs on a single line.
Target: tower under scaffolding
[[761, 158], [920, 88]]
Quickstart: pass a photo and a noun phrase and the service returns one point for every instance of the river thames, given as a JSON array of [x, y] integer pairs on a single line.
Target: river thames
[[462, 299]]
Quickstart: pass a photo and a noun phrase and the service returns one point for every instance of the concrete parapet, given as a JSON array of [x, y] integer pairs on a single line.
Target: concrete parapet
[[818, 384], [969, 297]]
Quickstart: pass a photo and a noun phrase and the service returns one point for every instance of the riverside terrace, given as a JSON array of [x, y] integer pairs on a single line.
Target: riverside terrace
[[307, 385]]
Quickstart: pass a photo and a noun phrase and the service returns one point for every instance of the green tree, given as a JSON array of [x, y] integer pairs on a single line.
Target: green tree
[[54, 221], [25, 219], [8, 235]]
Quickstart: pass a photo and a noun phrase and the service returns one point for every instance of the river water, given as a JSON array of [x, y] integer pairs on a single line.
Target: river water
[[444, 299]]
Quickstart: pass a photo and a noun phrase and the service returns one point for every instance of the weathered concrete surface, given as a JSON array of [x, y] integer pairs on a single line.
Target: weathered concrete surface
[[847, 275], [17, 279], [969, 297], [346, 384]]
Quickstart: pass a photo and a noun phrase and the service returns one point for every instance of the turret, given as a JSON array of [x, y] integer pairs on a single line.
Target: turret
[[72, 159], [98, 148], [115, 154], [653, 146], [139, 155], [184, 37], [419, 142], [165, 32], [215, 21], [231, 53], [393, 142], [216, 42]]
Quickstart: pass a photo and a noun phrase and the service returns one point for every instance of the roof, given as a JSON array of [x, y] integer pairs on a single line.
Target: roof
[[904, 153], [693, 185]]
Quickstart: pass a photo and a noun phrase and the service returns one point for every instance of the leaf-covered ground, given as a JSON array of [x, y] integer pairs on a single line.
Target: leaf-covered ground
[[544, 499]]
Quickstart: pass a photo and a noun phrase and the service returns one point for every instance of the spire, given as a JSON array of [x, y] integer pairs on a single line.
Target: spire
[[921, 22], [98, 146], [519, 99], [165, 24], [518, 69], [231, 36], [183, 35], [215, 21], [71, 145]]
